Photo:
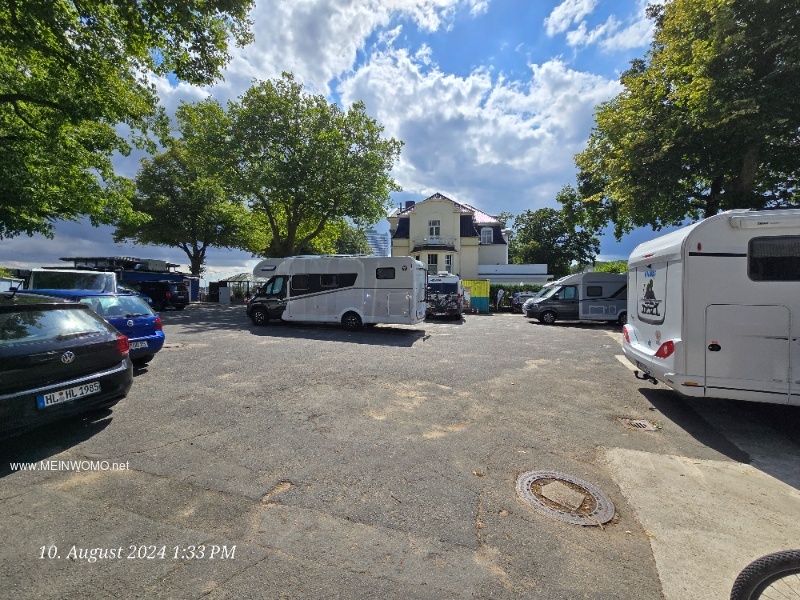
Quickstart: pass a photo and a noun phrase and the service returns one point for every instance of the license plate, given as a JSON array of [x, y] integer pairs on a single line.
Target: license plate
[[79, 391], [137, 345], [643, 367]]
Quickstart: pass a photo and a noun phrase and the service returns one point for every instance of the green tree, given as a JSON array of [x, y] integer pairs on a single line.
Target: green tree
[[612, 266], [544, 237], [708, 121], [303, 164], [181, 198], [71, 74]]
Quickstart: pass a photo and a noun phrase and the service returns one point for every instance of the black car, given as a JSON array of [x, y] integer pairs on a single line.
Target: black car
[[57, 359], [164, 294]]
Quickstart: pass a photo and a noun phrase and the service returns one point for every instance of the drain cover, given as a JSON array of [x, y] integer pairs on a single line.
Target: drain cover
[[638, 424], [565, 498]]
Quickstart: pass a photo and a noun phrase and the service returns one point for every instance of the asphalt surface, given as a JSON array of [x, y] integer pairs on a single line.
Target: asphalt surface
[[310, 462]]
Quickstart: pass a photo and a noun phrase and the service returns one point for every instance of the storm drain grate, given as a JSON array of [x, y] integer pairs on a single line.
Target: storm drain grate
[[639, 424], [565, 498]]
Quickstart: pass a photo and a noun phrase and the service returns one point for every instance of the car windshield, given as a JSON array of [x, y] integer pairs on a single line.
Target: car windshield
[[32, 323], [118, 306]]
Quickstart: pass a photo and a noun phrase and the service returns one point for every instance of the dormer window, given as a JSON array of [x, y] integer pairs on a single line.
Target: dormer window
[[487, 235]]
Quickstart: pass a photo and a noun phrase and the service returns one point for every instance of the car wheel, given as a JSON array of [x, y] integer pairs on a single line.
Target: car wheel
[[351, 321], [548, 317], [623, 318], [142, 360], [259, 316]]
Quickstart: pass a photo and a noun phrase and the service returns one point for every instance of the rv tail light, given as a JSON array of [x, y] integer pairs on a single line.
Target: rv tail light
[[665, 350], [123, 345], [625, 335]]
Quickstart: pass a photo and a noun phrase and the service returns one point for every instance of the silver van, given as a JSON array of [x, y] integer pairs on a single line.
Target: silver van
[[583, 296]]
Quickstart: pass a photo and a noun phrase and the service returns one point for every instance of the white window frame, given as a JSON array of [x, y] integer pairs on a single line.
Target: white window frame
[[448, 263], [487, 235], [434, 228], [434, 264]]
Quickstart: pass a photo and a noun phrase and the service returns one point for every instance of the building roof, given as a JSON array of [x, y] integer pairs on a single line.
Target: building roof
[[479, 217]]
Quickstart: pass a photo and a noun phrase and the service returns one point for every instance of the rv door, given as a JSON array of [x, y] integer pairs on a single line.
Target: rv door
[[747, 351]]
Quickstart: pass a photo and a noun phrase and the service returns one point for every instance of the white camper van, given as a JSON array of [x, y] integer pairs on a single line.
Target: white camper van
[[445, 295], [351, 290], [583, 296], [714, 308]]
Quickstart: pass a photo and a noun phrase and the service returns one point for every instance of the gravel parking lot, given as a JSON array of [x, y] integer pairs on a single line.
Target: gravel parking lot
[[311, 462]]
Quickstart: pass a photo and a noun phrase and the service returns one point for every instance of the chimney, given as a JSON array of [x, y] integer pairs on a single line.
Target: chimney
[[410, 204]]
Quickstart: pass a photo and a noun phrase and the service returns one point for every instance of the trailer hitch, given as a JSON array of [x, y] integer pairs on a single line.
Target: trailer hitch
[[646, 377]]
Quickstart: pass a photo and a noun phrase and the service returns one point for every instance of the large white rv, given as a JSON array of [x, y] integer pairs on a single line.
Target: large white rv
[[714, 308], [351, 290]]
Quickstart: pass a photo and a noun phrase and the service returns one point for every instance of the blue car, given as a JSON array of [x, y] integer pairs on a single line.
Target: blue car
[[129, 313]]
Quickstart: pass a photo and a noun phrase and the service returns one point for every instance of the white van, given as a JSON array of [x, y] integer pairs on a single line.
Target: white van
[[714, 309], [351, 290], [583, 296], [72, 279]]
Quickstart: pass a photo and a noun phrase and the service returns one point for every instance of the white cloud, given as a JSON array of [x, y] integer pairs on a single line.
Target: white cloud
[[582, 37], [498, 144], [567, 13]]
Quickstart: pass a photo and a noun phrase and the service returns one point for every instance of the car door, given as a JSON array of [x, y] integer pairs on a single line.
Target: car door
[[567, 302]]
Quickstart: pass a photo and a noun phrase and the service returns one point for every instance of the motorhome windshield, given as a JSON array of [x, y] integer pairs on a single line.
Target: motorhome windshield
[[69, 280], [550, 292]]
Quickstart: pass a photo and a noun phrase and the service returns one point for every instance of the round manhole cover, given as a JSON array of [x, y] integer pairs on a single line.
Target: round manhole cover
[[565, 498]]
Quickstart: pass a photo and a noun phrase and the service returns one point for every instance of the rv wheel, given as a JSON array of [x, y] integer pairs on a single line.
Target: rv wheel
[[548, 317], [623, 318], [351, 321], [259, 316]]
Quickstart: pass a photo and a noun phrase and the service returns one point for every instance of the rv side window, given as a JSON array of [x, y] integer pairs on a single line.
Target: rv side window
[[299, 283], [384, 273], [328, 281], [774, 258], [594, 291], [621, 293]]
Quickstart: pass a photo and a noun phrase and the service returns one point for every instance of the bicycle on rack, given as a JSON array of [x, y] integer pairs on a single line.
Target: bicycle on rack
[[769, 577]]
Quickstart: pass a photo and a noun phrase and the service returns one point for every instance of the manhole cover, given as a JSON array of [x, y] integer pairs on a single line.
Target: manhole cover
[[565, 498], [638, 424]]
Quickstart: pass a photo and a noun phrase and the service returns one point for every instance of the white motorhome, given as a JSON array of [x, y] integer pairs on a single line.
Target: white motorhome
[[583, 296], [714, 309], [72, 279], [445, 295], [351, 290]]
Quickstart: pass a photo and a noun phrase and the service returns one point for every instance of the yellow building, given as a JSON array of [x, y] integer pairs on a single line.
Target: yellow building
[[448, 236]]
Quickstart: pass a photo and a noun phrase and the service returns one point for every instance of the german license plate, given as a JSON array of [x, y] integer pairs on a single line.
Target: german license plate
[[73, 393], [643, 367], [137, 345]]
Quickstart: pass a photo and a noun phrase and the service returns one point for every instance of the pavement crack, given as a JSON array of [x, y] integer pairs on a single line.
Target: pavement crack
[[184, 439]]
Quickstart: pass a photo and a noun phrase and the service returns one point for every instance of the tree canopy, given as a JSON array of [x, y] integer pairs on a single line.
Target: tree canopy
[[303, 164], [708, 121], [74, 81], [181, 200], [544, 237]]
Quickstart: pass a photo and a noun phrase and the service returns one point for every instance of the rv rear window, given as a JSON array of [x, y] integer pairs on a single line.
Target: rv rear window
[[774, 258], [594, 291], [384, 273]]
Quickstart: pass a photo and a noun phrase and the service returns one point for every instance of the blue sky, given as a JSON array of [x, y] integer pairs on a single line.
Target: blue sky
[[492, 98]]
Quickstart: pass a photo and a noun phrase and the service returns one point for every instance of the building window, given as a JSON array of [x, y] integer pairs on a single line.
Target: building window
[[448, 263], [433, 263], [487, 235], [434, 228]]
